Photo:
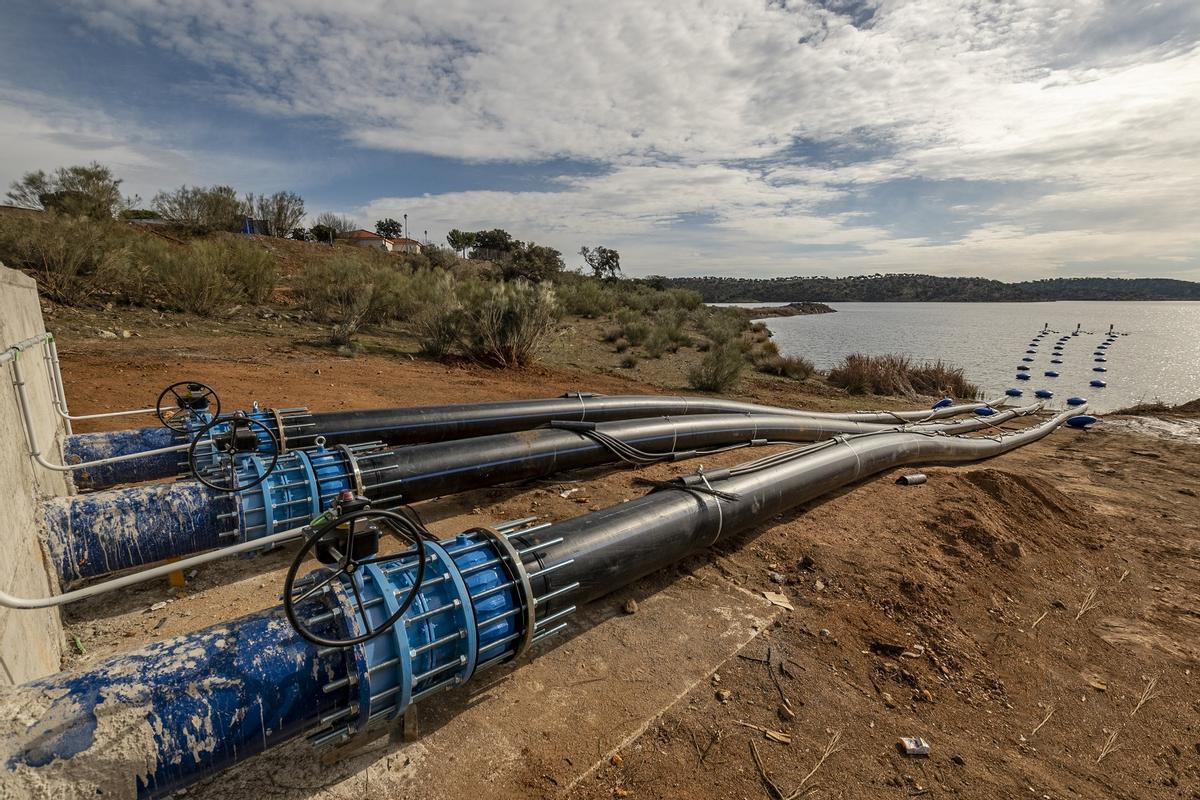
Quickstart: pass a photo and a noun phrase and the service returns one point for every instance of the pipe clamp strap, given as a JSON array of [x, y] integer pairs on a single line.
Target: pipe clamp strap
[[524, 588], [571, 425], [279, 429], [355, 472]]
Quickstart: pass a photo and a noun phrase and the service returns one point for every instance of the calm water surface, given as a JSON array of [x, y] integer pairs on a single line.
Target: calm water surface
[[1159, 359]]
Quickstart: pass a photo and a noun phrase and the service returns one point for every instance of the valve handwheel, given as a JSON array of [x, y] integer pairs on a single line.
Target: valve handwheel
[[342, 537], [187, 401], [230, 438]]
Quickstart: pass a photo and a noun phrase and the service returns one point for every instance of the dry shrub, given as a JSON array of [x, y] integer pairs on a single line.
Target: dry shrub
[[719, 369], [506, 324], [437, 322], [70, 257], [584, 297], [208, 276], [895, 374]]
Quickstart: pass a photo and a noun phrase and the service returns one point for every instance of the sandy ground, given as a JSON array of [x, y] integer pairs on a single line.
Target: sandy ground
[[1036, 617]]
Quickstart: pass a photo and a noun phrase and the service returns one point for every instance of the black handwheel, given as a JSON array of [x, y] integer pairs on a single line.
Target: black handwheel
[[347, 564], [239, 437], [188, 400]]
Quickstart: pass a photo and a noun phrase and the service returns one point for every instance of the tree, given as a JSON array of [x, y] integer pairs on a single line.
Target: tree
[[389, 228], [605, 262], [341, 225], [533, 262], [493, 245], [83, 191], [202, 209], [323, 233], [282, 211], [460, 241]]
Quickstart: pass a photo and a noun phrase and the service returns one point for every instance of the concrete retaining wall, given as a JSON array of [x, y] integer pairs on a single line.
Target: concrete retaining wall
[[30, 641]]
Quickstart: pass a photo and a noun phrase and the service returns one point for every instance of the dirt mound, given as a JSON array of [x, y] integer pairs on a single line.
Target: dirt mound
[[997, 514]]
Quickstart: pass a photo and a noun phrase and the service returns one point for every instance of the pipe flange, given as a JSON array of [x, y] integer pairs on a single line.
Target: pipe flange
[[355, 472], [524, 588]]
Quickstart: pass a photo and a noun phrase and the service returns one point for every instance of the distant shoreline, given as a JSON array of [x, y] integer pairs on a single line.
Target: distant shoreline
[[934, 289], [799, 308]]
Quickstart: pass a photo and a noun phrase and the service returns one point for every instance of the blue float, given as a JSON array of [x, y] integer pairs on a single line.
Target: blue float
[[1044, 394], [1022, 368], [943, 403], [1056, 361], [1027, 359], [1031, 352], [985, 411], [1013, 392], [1101, 360], [1022, 376], [1050, 373], [1076, 401], [1082, 421], [1099, 369], [1097, 383]]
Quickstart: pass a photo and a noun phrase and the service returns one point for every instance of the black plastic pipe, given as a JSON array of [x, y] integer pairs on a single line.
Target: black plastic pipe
[[420, 424], [141, 715], [612, 547], [103, 532]]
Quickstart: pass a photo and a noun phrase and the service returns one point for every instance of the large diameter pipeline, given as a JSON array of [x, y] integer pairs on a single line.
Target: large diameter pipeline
[[102, 532], [161, 718], [413, 425], [620, 544]]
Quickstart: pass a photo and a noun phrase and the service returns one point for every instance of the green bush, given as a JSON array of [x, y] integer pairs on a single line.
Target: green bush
[[629, 361], [634, 326], [506, 324], [721, 324], [585, 297], [250, 269], [657, 343], [438, 320], [339, 290], [797, 368], [132, 279], [72, 258], [719, 369], [194, 280], [209, 276]]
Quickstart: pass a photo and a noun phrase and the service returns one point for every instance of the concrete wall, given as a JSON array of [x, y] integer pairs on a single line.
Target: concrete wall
[[30, 641]]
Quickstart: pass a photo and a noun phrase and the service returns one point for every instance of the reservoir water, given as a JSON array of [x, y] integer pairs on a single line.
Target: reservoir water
[[1159, 359]]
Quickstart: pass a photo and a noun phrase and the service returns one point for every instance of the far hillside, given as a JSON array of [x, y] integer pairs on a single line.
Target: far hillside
[[931, 288]]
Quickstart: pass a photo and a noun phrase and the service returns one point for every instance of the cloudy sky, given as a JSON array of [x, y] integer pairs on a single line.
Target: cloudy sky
[[732, 137]]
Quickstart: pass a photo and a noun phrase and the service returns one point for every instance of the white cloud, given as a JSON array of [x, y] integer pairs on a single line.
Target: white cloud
[[1092, 100]]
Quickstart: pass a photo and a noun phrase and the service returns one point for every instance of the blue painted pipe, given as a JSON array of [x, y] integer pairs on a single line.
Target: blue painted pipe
[[90, 534], [1097, 383], [160, 718], [80, 448]]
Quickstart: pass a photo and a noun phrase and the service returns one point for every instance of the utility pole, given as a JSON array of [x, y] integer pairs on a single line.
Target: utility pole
[[406, 226]]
